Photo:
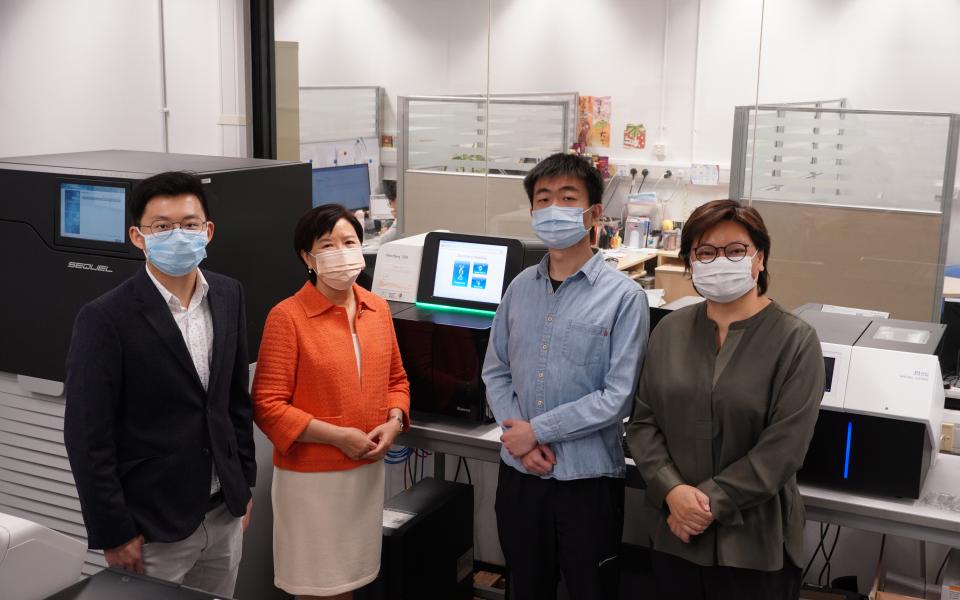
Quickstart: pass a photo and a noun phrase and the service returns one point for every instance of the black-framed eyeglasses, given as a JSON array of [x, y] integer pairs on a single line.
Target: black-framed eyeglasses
[[163, 229], [735, 251]]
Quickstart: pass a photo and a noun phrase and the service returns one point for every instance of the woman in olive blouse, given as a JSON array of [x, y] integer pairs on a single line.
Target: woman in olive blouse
[[726, 405]]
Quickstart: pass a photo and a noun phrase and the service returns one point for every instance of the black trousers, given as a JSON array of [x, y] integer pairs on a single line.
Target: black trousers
[[679, 579], [550, 528]]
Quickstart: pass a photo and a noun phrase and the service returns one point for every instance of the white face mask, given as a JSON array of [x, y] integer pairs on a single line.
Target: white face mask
[[723, 280], [339, 268]]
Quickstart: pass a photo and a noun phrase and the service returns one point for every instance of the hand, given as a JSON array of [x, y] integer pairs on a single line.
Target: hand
[[354, 443], [246, 517], [383, 436], [690, 508], [128, 556], [540, 460], [677, 529], [519, 438]]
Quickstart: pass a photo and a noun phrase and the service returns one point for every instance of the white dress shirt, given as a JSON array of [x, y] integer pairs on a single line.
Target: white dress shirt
[[195, 323]]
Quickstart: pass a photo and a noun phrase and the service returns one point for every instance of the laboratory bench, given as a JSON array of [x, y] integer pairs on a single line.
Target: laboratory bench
[[915, 519]]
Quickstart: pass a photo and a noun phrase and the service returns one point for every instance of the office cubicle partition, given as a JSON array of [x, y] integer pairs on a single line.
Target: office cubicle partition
[[462, 158], [857, 202]]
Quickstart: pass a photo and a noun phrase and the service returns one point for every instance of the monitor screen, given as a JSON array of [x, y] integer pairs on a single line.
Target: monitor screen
[[348, 185], [467, 271], [93, 212], [470, 271], [828, 363]]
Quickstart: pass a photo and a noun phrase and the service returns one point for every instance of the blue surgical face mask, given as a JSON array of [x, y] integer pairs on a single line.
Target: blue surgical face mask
[[559, 226], [177, 254]]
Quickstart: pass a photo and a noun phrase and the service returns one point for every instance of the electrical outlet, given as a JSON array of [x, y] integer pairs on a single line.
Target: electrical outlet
[[660, 151], [947, 434]]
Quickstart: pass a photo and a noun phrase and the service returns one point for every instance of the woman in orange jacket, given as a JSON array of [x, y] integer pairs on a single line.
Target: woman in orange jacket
[[331, 394]]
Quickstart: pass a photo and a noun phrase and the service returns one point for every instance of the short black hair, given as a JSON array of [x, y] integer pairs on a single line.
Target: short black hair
[[390, 189], [316, 223], [170, 183], [572, 165], [709, 215]]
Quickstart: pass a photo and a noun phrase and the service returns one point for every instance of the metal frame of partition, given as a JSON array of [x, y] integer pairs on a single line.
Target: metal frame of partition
[[738, 166], [378, 90], [403, 128], [840, 102]]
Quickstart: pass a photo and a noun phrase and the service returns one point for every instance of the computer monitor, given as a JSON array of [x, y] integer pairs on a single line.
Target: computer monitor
[[348, 185], [950, 349], [92, 212], [467, 271]]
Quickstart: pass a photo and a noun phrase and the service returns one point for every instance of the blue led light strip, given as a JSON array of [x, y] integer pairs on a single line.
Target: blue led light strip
[[846, 460]]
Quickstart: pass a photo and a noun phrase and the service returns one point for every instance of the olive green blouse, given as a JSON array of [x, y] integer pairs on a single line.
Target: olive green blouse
[[734, 423]]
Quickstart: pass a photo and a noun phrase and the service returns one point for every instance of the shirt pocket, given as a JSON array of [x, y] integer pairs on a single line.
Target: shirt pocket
[[583, 343]]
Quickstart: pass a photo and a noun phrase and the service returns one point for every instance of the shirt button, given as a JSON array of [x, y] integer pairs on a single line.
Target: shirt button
[[540, 403], [544, 347], [540, 375], [205, 451], [549, 318]]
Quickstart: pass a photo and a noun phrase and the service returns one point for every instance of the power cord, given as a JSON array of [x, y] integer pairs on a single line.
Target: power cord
[[940, 570], [827, 556], [826, 565], [823, 531], [463, 461], [633, 176]]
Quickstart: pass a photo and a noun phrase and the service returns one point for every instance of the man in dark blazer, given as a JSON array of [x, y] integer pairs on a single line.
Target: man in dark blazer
[[158, 423]]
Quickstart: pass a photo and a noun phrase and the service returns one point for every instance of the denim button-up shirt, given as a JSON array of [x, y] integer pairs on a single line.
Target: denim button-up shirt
[[568, 362]]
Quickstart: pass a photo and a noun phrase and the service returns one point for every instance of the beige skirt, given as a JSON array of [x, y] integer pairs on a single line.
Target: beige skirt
[[327, 529]]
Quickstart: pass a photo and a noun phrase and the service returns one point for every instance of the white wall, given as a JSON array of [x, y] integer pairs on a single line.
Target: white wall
[[411, 47], [726, 73], [206, 71], [192, 49], [80, 76], [880, 54], [425, 47], [598, 48]]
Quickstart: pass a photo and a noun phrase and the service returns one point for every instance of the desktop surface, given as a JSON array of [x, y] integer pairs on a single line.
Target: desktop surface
[[114, 583]]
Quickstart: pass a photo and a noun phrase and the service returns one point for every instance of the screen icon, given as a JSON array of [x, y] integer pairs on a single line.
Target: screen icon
[[461, 273]]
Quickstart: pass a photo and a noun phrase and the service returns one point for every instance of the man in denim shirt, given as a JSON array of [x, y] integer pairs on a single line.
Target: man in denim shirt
[[561, 368]]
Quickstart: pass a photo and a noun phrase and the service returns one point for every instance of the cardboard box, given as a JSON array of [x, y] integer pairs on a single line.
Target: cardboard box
[[950, 592]]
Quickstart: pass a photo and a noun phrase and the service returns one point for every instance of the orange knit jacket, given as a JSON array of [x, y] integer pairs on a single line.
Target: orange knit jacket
[[307, 369]]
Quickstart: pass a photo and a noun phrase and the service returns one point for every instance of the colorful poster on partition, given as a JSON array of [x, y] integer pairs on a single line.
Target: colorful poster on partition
[[593, 121], [635, 136]]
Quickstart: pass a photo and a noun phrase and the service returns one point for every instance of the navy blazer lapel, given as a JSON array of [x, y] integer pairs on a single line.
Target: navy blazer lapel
[[157, 313], [217, 300]]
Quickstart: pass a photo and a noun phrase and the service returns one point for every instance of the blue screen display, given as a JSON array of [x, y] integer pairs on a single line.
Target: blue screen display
[[348, 185], [93, 212]]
